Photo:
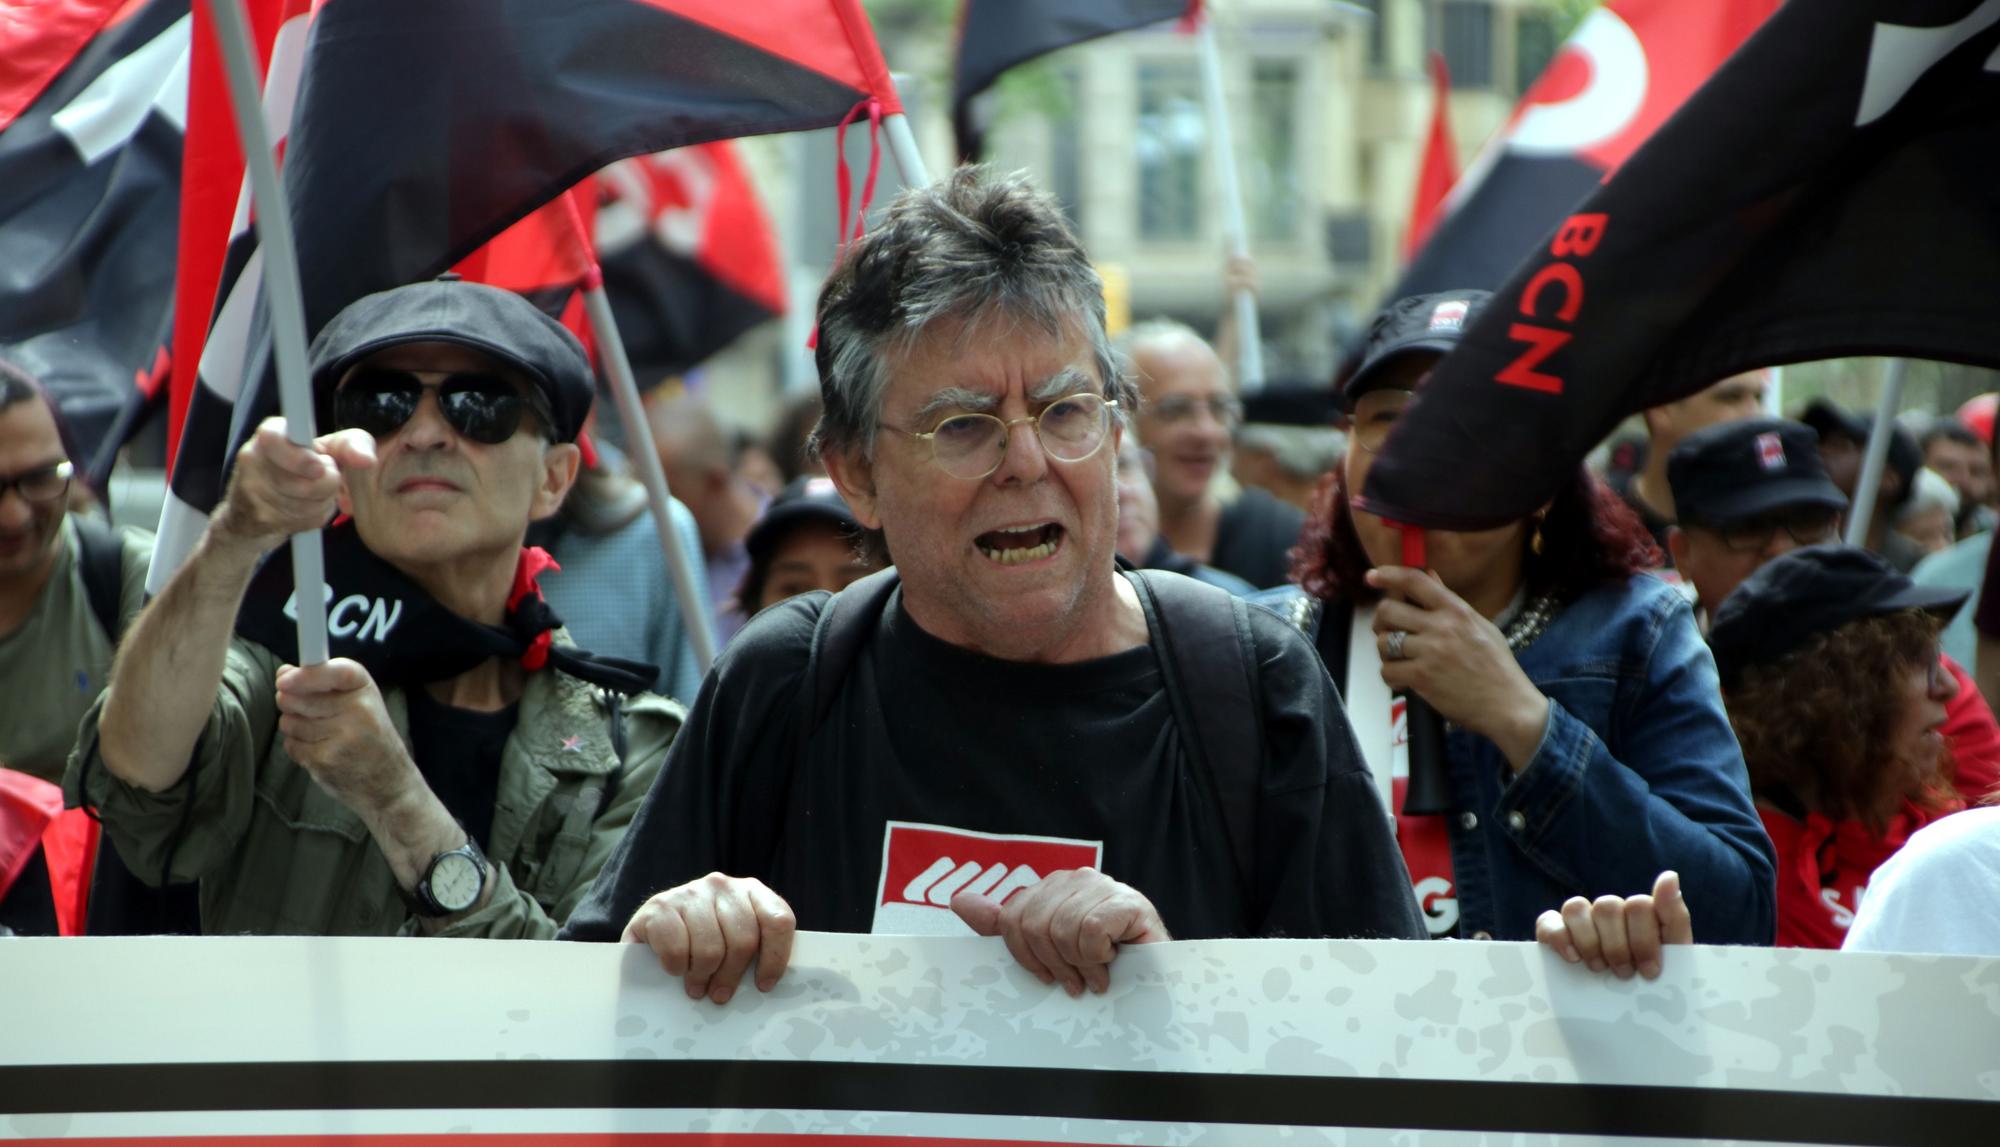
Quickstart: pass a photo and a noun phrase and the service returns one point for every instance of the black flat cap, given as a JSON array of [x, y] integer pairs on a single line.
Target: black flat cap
[[1419, 324], [495, 322], [1735, 471], [1794, 598]]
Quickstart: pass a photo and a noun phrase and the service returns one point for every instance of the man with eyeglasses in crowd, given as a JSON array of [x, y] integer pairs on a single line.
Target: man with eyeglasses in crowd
[[457, 767], [1011, 747], [1187, 420], [68, 587], [1749, 492], [55, 650]]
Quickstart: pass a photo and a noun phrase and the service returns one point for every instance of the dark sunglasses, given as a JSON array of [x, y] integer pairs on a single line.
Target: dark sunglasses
[[483, 407]]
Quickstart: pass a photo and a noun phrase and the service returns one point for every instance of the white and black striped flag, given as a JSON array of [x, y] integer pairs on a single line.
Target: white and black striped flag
[[221, 274], [92, 94]]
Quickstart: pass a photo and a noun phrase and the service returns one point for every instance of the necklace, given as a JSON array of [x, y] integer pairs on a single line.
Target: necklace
[[1534, 618]]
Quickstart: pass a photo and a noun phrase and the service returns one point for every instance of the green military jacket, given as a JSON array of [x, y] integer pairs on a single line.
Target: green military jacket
[[276, 855]]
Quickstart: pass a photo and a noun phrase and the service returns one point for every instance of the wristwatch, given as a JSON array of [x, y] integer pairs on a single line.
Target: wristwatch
[[452, 883]]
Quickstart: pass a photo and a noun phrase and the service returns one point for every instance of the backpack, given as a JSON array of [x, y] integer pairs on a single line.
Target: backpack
[[99, 565], [1207, 662]]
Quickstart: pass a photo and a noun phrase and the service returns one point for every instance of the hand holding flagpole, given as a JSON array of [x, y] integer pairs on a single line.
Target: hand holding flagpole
[[283, 298]]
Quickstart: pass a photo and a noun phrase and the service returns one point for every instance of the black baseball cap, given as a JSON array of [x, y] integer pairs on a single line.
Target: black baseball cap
[[1419, 324], [808, 499], [1733, 471], [1829, 419], [495, 322], [1796, 597]]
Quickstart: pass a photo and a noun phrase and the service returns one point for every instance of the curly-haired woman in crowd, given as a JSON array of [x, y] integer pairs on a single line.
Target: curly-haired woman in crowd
[[1829, 661], [1586, 751]]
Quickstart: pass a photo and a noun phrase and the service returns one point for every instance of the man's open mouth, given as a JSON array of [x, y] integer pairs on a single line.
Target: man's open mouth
[[1027, 544]]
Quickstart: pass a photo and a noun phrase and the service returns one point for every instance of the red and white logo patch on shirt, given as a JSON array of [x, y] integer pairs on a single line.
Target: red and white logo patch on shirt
[[1771, 451], [925, 865]]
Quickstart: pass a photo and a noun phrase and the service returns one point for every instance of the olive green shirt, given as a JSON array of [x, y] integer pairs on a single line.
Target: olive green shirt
[[56, 662], [275, 854]]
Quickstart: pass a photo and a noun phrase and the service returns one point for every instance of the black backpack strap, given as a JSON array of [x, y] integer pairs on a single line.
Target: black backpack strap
[[845, 623], [100, 565], [1208, 659]]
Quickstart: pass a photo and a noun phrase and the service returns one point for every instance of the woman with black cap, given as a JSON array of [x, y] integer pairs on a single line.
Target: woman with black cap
[[1578, 746], [1829, 662]]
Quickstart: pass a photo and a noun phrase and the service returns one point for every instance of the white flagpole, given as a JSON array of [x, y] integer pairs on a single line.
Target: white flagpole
[[1249, 342], [639, 444], [283, 298], [1877, 459], [645, 456], [903, 146]]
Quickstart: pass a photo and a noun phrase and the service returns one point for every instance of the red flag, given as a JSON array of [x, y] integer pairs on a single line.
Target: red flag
[[1440, 169], [36, 47], [690, 259], [548, 257]]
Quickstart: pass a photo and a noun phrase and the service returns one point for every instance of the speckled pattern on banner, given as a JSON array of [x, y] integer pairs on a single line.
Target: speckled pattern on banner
[[1380, 1021]]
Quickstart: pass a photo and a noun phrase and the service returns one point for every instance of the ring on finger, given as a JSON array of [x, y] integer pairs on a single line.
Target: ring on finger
[[1393, 645]]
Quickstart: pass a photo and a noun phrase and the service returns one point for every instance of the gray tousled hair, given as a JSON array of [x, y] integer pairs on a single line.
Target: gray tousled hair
[[972, 246]]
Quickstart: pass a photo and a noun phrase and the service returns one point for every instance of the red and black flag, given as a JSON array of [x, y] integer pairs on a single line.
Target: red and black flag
[[92, 95], [420, 131], [994, 35], [1623, 72], [1834, 190], [690, 260], [1439, 170]]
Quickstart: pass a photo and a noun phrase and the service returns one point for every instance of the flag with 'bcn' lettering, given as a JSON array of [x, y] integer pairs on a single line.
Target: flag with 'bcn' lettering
[[1833, 190]]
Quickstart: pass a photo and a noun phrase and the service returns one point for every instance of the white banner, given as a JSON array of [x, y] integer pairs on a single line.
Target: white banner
[[431, 1043]]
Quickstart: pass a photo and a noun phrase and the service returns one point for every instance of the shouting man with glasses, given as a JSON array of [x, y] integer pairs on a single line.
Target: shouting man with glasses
[[1188, 422], [67, 584], [1005, 734], [451, 770]]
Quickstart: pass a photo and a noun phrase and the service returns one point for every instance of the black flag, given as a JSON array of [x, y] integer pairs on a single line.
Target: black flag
[[90, 160], [1834, 190], [994, 35]]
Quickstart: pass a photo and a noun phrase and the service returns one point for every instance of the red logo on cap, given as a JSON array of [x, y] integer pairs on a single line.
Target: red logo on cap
[[1449, 316], [1771, 451]]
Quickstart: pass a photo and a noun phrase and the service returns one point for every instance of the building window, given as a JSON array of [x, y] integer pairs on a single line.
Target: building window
[[1171, 145], [1535, 45], [1467, 35], [1274, 150], [1378, 33]]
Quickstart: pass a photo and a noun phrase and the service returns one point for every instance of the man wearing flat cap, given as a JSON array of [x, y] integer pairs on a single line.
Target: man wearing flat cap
[[457, 767]]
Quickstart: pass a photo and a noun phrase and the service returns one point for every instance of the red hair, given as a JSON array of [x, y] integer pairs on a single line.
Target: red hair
[[1590, 537]]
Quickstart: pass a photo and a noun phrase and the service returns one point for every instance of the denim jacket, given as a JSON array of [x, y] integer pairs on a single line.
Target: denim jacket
[[1637, 771]]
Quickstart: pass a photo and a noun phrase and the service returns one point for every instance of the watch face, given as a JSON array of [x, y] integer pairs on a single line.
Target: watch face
[[455, 881]]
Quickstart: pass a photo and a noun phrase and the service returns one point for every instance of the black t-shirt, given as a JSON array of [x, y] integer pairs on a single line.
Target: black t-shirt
[[458, 752], [938, 769], [1254, 538]]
